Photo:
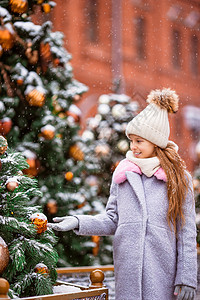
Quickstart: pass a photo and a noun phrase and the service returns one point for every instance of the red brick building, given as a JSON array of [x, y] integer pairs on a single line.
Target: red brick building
[[144, 44]]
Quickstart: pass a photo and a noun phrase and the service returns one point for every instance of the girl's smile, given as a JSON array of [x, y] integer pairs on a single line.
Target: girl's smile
[[141, 148]]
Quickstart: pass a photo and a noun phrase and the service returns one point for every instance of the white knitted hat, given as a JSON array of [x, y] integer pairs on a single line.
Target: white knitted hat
[[152, 123]]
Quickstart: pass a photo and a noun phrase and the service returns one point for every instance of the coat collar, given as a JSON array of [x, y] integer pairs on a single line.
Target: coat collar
[[126, 165]]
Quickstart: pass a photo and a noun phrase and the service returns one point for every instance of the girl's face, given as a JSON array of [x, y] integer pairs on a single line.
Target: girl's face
[[141, 148]]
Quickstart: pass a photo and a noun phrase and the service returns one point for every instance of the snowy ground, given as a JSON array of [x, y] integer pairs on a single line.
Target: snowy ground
[[83, 279]]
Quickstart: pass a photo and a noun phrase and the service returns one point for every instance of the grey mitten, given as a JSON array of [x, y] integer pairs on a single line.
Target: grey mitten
[[64, 223], [184, 292]]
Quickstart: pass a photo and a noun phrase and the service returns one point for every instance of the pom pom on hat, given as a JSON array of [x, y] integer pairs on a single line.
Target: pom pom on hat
[[165, 99], [152, 122]]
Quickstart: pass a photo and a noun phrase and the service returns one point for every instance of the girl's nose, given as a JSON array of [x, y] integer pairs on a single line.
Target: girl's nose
[[133, 146]]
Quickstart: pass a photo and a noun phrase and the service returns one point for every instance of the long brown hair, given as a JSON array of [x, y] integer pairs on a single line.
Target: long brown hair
[[177, 183]]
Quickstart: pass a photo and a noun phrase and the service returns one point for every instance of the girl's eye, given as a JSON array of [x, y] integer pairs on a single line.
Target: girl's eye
[[139, 141]]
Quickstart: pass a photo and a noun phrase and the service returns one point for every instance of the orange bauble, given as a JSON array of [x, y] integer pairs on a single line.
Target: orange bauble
[[34, 167], [5, 126], [19, 6], [3, 145], [41, 269], [4, 256], [40, 221], [46, 8], [76, 152], [48, 132], [45, 55], [6, 38], [20, 81], [77, 97], [12, 184], [52, 206], [102, 150], [73, 115], [69, 176], [35, 98]]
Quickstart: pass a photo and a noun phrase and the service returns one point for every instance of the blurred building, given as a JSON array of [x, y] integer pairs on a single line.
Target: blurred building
[[134, 46]]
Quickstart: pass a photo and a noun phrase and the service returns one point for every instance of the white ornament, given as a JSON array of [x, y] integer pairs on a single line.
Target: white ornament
[[105, 133], [48, 127], [123, 145], [118, 111], [103, 109], [88, 135], [39, 216], [94, 122], [104, 99]]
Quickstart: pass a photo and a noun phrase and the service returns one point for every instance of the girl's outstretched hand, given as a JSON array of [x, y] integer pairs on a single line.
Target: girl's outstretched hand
[[184, 292], [64, 223]]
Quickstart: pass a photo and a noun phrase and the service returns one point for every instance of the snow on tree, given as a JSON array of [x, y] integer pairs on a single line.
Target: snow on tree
[[40, 118], [23, 230]]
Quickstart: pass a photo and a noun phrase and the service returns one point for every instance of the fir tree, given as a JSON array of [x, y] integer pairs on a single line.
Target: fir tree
[[40, 118], [32, 258], [107, 143]]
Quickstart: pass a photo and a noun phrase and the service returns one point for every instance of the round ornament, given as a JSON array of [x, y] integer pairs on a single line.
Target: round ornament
[[45, 52], [4, 255], [123, 146], [20, 81], [5, 126], [88, 135], [104, 99], [94, 122], [105, 133], [74, 112], [102, 150], [6, 38], [18, 6], [77, 97], [33, 162], [3, 145], [196, 184], [48, 132], [12, 184], [76, 152], [103, 109], [118, 111], [52, 206], [41, 269], [35, 98], [69, 176], [46, 8], [40, 221], [91, 180]]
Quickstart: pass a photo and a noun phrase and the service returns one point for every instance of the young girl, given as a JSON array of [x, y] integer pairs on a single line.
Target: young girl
[[150, 212]]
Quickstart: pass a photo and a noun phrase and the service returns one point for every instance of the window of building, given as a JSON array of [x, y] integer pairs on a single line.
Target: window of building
[[194, 55], [176, 49], [140, 40], [92, 22]]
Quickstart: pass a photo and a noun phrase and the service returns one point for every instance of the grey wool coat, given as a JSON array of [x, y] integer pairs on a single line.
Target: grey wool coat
[[148, 258]]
